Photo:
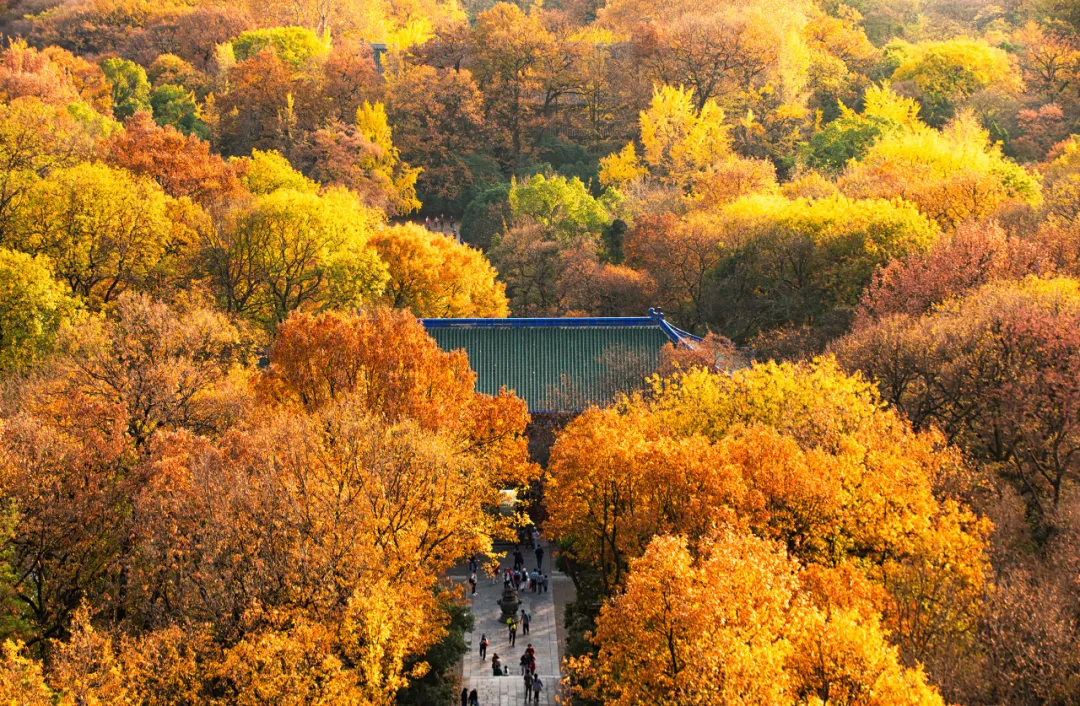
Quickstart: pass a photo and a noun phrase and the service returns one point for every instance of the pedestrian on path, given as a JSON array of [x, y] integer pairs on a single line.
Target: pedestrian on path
[[465, 697], [496, 665], [474, 698], [528, 684], [537, 687], [472, 582], [539, 558], [524, 663], [512, 625], [474, 565], [483, 647], [536, 538], [525, 620]]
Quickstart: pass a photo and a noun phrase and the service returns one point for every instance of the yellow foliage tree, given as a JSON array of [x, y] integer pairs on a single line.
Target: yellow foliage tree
[[734, 626], [296, 250], [384, 161], [88, 670], [21, 680], [104, 230], [945, 74], [679, 139], [621, 167], [952, 175], [435, 276]]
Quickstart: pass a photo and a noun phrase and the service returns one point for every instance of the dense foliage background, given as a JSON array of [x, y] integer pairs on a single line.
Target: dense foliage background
[[233, 466]]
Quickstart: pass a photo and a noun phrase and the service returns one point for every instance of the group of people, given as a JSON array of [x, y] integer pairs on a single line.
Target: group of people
[[521, 579], [512, 624], [533, 683], [524, 580], [440, 223]]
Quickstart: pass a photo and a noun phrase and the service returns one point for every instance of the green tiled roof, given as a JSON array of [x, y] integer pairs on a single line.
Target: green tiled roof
[[558, 365]]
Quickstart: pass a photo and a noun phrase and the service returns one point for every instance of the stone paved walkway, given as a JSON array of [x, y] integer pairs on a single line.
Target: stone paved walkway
[[510, 690]]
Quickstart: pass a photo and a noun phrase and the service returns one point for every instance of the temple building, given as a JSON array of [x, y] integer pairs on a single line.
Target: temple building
[[560, 366]]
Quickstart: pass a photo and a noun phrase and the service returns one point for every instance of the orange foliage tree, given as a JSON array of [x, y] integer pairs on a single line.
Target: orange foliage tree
[[181, 164], [228, 542], [386, 360], [802, 455], [731, 622], [78, 433]]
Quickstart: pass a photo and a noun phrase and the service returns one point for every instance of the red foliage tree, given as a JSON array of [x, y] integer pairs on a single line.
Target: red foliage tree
[[998, 370], [975, 254], [181, 164]]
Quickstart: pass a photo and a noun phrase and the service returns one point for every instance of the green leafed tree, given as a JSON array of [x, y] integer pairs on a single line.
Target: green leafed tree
[[33, 307], [175, 105], [130, 87], [563, 205], [295, 46]]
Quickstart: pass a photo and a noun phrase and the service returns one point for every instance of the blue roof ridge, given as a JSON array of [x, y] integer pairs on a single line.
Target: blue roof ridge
[[655, 318]]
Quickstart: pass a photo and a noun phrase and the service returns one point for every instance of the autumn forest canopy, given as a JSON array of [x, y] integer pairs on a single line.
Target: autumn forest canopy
[[235, 469]]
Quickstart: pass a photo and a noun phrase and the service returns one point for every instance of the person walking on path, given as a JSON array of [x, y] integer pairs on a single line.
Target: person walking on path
[[474, 698], [483, 647], [539, 558], [496, 665], [512, 625], [472, 583], [525, 620], [465, 697], [528, 684], [537, 687], [536, 538]]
